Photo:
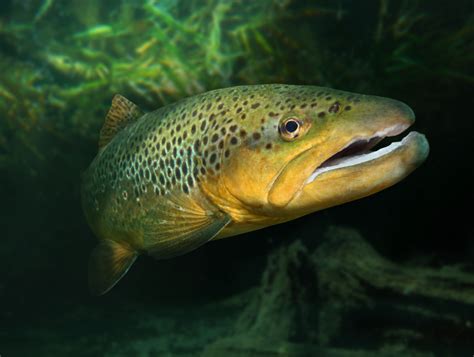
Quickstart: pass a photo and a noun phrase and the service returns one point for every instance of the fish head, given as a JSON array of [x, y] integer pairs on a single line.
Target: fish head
[[308, 148]]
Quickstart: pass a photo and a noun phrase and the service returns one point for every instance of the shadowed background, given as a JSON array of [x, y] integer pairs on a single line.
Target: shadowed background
[[61, 63]]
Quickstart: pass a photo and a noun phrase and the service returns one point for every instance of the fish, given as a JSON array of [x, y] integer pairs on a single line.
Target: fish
[[234, 160]]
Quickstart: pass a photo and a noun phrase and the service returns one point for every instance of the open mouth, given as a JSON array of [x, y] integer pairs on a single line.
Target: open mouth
[[362, 150]]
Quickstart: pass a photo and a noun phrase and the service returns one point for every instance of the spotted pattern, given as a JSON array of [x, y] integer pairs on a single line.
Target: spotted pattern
[[175, 147]]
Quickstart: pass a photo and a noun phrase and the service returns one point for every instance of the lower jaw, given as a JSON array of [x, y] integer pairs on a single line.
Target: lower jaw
[[334, 187]]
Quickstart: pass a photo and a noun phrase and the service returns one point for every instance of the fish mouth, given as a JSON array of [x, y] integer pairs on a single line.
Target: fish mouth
[[354, 159], [363, 150]]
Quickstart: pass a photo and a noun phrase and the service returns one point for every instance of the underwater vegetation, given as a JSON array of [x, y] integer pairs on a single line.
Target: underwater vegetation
[[156, 52], [61, 63]]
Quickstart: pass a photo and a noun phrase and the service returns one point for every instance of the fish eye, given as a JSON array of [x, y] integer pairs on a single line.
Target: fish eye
[[290, 128]]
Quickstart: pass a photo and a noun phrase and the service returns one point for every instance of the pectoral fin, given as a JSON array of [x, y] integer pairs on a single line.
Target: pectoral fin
[[108, 263], [186, 223]]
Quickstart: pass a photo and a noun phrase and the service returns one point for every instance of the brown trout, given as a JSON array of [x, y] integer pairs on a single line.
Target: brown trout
[[231, 161]]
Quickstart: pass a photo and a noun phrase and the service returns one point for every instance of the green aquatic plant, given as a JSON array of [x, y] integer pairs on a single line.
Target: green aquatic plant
[[155, 51], [159, 51], [414, 45]]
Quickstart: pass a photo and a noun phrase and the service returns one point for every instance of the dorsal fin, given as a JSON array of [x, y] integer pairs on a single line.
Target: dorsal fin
[[121, 113]]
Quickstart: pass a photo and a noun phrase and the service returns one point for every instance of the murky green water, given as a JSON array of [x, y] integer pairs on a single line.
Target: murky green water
[[388, 275]]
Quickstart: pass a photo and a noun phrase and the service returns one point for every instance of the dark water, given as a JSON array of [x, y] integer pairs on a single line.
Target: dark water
[[391, 274]]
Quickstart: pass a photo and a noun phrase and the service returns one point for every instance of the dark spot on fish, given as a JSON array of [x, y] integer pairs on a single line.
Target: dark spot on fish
[[239, 109], [243, 116], [227, 153], [347, 107], [243, 133], [234, 140], [197, 145], [321, 114], [233, 128], [255, 105], [256, 136], [268, 146], [214, 138], [334, 108], [193, 129], [190, 181], [220, 106]]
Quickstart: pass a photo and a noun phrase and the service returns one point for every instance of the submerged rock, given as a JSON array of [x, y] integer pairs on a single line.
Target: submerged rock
[[330, 302]]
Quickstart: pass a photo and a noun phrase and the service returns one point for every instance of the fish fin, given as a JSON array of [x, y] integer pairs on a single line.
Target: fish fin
[[186, 238], [121, 113], [108, 263], [186, 223]]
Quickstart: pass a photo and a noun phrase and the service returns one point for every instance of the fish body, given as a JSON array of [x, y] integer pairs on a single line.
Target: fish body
[[234, 160]]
